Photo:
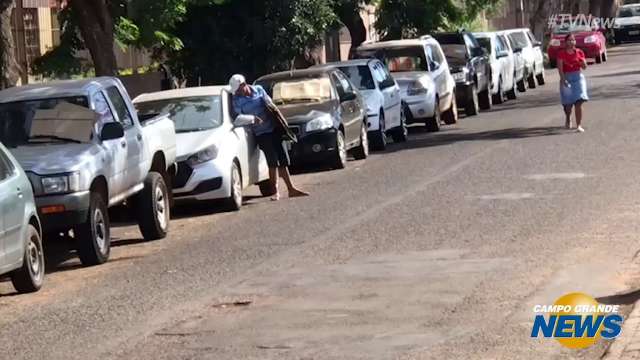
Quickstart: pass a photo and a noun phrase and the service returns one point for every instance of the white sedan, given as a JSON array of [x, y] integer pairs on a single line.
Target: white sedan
[[217, 159]]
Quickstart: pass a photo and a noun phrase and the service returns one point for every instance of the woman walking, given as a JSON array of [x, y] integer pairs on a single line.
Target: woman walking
[[253, 100], [573, 86]]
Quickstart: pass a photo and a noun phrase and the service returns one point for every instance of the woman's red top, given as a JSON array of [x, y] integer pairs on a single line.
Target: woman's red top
[[571, 61]]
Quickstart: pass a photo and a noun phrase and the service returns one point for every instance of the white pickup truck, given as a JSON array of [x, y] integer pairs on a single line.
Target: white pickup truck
[[84, 150]]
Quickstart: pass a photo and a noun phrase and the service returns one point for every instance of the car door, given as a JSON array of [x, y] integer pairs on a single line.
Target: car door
[[243, 141], [436, 70], [479, 62], [132, 143], [390, 92], [349, 108], [12, 206], [537, 51], [115, 162], [506, 63]]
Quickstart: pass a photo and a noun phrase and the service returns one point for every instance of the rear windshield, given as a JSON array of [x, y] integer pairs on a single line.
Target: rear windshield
[[519, 40], [360, 76], [399, 59]]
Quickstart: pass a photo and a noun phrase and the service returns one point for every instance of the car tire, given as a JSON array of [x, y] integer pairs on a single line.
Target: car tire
[[361, 152], [604, 56], [265, 188], [433, 123], [93, 237], [401, 133], [340, 154], [30, 277], [531, 80], [599, 59], [471, 107], [541, 78], [234, 201], [379, 138], [499, 97], [152, 208], [485, 98], [512, 94], [522, 85], [450, 116]]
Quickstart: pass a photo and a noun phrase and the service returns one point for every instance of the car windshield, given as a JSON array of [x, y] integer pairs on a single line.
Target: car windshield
[[630, 11], [486, 44], [360, 76], [54, 120], [455, 52], [400, 59], [519, 40], [196, 113], [301, 90]]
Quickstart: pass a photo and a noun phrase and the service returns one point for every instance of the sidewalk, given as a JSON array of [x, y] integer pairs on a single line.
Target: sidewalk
[[627, 346]]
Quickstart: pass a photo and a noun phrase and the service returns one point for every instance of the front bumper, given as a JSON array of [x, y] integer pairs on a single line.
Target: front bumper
[[373, 121], [418, 107], [207, 181], [314, 147], [631, 33], [76, 210]]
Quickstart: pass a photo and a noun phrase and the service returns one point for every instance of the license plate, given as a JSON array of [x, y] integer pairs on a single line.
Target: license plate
[[634, 32]]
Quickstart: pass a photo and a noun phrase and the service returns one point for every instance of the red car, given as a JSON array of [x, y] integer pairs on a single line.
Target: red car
[[589, 39]]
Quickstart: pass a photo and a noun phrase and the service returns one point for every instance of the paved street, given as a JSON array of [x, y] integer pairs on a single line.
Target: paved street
[[435, 249]]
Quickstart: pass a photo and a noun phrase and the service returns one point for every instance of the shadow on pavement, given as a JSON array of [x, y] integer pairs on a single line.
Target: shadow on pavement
[[620, 299], [623, 73]]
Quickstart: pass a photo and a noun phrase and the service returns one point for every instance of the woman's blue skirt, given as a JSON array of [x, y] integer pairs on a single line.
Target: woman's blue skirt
[[577, 91]]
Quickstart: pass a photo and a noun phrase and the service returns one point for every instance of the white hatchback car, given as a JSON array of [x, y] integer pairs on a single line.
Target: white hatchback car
[[21, 253], [217, 159], [525, 43], [382, 96], [421, 69], [503, 73]]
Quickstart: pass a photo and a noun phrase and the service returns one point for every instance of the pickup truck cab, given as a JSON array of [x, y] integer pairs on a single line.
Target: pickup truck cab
[[84, 150], [627, 24]]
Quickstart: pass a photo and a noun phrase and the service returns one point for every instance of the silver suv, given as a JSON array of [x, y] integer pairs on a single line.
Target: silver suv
[[21, 252]]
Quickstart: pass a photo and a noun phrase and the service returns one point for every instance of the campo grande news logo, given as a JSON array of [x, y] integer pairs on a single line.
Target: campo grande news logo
[[577, 321]]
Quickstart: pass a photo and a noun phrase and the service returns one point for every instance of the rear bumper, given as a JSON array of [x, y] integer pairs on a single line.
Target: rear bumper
[[591, 51]]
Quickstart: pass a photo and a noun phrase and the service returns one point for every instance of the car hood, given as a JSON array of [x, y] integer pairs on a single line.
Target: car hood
[[634, 20], [302, 113], [456, 64], [188, 143], [55, 158]]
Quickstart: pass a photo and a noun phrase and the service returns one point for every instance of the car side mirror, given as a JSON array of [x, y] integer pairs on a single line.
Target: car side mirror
[[244, 120], [434, 65], [112, 131], [350, 96]]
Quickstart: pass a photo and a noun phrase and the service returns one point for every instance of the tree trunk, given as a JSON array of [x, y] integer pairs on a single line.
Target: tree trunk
[[8, 64], [594, 7], [352, 19], [96, 28], [606, 10]]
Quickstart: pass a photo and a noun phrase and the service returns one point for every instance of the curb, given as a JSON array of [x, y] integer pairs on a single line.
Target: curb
[[627, 345]]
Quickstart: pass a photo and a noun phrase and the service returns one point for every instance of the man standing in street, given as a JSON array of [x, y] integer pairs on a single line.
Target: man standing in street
[[253, 100]]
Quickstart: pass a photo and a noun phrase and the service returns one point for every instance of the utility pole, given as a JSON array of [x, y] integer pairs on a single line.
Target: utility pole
[[519, 5], [21, 45]]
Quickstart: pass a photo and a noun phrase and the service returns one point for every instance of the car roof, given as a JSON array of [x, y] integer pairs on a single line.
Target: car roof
[[182, 93], [57, 89], [354, 62], [393, 43], [485, 34], [630, 5], [294, 74], [509, 31]]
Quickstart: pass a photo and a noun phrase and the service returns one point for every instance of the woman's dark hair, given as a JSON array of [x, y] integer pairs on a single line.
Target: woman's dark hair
[[568, 36]]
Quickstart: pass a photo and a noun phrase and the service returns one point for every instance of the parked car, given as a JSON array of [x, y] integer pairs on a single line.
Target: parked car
[[217, 157], [84, 150], [422, 72], [470, 68], [324, 110], [21, 254], [627, 24], [382, 97], [588, 38], [503, 80], [525, 42], [518, 61]]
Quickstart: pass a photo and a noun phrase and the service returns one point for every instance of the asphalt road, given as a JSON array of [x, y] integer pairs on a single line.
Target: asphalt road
[[437, 248]]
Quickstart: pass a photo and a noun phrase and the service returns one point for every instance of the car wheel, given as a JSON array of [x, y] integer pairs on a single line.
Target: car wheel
[[485, 98], [541, 78], [152, 207], [499, 97], [379, 140], [265, 188], [362, 151], [234, 201], [604, 56], [401, 133], [450, 116], [471, 106], [433, 123], [30, 276], [522, 85], [93, 237], [599, 59], [532, 79], [512, 94], [340, 154]]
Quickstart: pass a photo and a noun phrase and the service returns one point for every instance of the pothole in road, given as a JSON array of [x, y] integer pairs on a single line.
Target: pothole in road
[[507, 196], [557, 176]]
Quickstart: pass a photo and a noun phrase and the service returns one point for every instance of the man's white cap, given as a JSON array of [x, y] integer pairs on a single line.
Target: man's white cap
[[235, 82]]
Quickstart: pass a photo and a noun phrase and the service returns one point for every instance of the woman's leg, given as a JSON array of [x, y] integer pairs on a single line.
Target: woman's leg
[[567, 115], [578, 113], [273, 180], [293, 192]]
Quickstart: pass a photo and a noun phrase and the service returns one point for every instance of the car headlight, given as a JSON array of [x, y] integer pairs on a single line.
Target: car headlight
[[203, 155], [61, 184], [590, 39], [554, 42], [320, 123]]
